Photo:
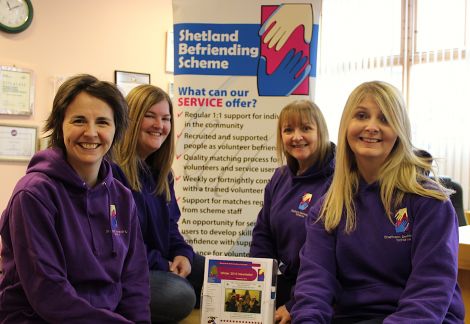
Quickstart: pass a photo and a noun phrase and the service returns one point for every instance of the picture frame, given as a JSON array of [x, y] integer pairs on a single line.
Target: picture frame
[[17, 142], [17, 88], [170, 52], [126, 80]]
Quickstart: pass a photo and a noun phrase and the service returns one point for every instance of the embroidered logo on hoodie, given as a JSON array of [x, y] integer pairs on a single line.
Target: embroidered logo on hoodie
[[402, 224], [113, 215], [305, 201], [114, 222], [303, 205]]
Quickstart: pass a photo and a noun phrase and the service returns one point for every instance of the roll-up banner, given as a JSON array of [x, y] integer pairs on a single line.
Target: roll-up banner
[[236, 65]]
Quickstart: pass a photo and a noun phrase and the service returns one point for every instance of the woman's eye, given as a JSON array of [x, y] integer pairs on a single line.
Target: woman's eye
[[78, 121], [361, 115]]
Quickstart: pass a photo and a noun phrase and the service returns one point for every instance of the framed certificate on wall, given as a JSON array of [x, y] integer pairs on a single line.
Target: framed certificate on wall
[[17, 143], [16, 91], [126, 80]]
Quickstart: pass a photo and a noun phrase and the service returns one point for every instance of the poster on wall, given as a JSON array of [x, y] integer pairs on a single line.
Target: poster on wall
[[236, 65]]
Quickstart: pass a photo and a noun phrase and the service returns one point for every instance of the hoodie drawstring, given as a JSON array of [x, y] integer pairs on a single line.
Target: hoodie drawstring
[[110, 220], [93, 245]]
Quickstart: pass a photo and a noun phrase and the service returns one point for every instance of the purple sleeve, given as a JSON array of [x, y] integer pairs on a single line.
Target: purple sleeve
[[316, 287], [178, 245], [156, 261], [262, 245], [135, 278], [430, 287], [37, 246]]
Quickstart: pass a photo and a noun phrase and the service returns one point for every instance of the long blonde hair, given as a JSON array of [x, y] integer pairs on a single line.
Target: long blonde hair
[[296, 112], [139, 100], [401, 172]]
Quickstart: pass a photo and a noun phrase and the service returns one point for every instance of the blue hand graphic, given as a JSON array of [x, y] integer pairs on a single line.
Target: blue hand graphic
[[283, 81]]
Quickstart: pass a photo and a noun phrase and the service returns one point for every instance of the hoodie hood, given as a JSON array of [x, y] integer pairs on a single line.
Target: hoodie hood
[[322, 169], [53, 163]]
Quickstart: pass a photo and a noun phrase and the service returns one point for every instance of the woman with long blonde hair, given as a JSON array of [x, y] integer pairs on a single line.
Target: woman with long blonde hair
[[145, 157], [382, 245]]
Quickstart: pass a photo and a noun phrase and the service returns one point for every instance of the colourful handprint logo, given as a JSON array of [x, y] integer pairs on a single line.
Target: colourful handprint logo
[[284, 64]]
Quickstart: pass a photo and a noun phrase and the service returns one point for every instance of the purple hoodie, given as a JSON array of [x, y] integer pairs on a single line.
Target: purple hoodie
[[158, 221], [71, 254], [279, 232], [405, 270]]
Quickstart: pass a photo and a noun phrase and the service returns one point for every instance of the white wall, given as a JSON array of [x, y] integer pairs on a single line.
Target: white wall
[[87, 36]]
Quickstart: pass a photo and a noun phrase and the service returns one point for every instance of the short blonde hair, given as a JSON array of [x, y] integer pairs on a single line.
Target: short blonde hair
[[297, 112]]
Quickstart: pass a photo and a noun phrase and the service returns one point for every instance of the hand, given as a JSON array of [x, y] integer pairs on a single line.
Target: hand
[[180, 266], [283, 81], [282, 315], [286, 18]]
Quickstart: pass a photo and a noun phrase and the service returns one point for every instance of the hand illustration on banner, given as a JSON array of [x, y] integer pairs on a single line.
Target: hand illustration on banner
[[285, 79], [286, 18], [286, 34]]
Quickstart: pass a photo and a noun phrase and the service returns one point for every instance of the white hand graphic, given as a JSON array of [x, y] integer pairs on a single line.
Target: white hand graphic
[[286, 18]]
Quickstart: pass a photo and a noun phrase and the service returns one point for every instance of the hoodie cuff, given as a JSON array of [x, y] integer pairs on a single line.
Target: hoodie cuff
[[289, 304], [186, 253]]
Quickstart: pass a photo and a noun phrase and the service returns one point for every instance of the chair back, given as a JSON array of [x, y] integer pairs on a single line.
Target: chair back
[[456, 198]]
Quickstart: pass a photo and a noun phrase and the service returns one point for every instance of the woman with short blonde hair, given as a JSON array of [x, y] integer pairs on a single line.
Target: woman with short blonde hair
[[306, 158]]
